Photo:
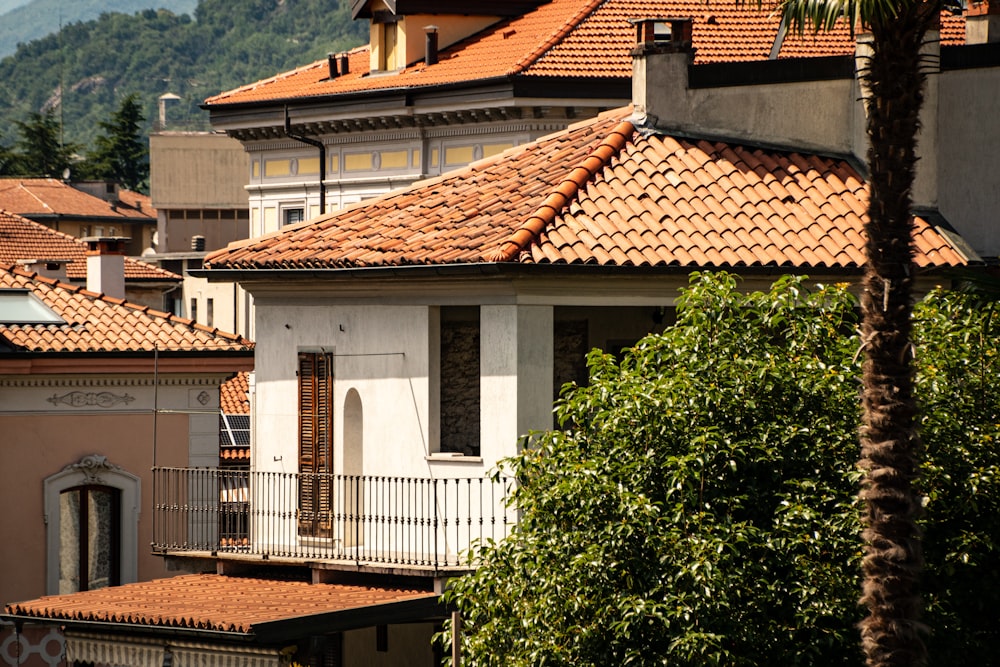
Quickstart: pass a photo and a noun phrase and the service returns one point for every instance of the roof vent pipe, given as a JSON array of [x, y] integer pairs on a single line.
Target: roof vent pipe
[[430, 45], [331, 66], [344, 64]]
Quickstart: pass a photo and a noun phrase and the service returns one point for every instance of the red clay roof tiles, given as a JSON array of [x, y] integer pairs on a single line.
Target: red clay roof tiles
[[209, 602], [234, 394], [570, 39], [94, 323], [48, 196], [572, 198], [23, 239]]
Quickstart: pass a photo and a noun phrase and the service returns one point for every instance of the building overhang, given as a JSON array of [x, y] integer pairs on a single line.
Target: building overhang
[[504, 98]]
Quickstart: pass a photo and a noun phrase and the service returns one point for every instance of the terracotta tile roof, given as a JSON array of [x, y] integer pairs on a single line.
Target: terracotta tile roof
[[603, 193], [95, 323], [569, 38], [23, 239], [210, 602], [234, 394], [48, 196], [137, 201]]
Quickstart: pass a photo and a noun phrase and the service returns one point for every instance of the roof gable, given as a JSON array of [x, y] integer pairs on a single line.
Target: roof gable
[[603, 193]]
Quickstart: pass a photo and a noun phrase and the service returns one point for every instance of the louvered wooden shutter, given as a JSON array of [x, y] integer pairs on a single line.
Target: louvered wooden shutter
[[315, 444]]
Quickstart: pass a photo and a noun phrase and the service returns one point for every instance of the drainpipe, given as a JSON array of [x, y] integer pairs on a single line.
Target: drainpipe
[[322, 159]]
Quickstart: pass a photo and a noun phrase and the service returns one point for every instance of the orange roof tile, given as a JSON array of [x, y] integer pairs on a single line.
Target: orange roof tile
[[210, 602], [570, 39], [95, 323], [48, 196], [234, 394], [23, 239], [603, 193]]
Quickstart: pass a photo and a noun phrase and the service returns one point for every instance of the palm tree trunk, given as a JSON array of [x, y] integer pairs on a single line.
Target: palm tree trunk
[[891, 633]]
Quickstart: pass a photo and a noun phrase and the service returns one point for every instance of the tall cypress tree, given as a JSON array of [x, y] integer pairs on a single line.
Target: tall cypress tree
[[38, 150], [120, 153]]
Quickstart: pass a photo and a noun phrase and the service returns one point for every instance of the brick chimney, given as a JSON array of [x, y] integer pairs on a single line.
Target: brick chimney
[[106, 265]]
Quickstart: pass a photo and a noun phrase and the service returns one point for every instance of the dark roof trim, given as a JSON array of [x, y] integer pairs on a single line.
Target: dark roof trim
[[518, 85], [424, 608], [497, 269], [761, 72], [970, 56], [131, 629]]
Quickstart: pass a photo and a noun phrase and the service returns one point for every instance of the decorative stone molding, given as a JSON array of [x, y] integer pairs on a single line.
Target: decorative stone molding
[[80, 399], [92, 467]]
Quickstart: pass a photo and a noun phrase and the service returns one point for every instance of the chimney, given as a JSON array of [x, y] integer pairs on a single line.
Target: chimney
[[982, 21], [331, 66], [660, 58], [344, 64], [430, 44], [663, 35], [106, 265], [47, 268]]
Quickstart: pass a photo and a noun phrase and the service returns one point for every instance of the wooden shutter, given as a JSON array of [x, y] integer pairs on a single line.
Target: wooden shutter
[[315, 444]]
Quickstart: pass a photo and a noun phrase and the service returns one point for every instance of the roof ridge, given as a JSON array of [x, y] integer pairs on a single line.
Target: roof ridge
[[564, 193], [20, 185], [552, 40]]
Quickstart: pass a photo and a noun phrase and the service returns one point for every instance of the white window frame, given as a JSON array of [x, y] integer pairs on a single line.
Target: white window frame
[[92, 470]]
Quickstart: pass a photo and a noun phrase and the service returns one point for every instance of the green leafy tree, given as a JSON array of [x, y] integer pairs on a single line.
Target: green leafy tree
[[697, 503], [120, 152], [894, 81], [39, 150]]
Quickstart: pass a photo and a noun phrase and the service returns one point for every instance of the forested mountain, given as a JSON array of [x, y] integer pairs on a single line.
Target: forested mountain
[[24, 20], [91, 66]]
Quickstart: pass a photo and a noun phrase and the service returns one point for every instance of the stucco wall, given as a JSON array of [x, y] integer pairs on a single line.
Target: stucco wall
[[33, 449], [969, 159]]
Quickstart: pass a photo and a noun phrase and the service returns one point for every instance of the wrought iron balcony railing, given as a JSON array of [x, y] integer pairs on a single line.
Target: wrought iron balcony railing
[[384, 521]]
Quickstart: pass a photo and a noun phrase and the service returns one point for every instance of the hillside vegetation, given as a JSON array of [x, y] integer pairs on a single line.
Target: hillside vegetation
[[91, 66], [24, 20]]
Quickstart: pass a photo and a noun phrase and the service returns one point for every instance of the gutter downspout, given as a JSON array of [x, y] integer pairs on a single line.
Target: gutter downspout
[[322, 159]]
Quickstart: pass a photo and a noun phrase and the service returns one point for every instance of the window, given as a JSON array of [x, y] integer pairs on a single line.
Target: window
[[91, 526], [89, 538], [291, 216], [315, 444], [194, 309], [210, 314]]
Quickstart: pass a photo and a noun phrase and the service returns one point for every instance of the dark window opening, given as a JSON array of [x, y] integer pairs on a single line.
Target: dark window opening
[[460, 381], [90, 538]]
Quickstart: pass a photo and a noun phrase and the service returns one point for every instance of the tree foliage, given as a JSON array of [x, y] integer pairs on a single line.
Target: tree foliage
[[120, 152], [91, 65], [697, 503], [39, 149]]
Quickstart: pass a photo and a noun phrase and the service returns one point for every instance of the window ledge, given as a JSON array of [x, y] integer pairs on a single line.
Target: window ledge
[[449, 457]]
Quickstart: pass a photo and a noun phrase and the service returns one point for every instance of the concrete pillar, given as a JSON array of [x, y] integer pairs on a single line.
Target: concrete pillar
[[516, 357]]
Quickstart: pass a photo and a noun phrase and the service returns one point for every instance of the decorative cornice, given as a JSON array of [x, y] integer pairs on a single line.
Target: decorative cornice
[[89, 399], [93, 467]]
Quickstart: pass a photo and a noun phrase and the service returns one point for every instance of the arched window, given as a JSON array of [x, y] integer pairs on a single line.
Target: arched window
[[91, 526]]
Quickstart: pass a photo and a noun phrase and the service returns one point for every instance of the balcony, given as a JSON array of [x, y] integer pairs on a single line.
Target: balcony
[[367, 522]]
